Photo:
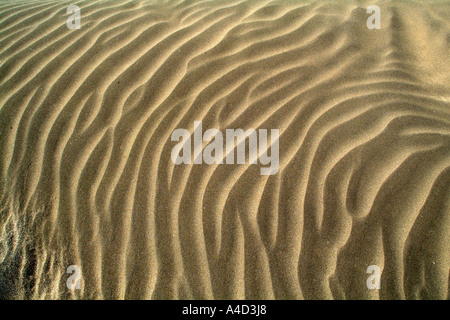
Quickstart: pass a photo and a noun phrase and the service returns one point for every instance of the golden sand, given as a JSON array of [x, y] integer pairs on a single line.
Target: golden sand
[[86, 176]]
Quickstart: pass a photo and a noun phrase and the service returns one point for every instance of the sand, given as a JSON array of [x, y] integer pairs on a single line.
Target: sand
[[86, 176]]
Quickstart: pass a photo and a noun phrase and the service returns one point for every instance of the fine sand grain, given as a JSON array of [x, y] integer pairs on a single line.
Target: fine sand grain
[[86, 176]]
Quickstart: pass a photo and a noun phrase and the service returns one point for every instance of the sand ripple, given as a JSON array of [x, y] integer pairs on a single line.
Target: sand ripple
[[86, 176]]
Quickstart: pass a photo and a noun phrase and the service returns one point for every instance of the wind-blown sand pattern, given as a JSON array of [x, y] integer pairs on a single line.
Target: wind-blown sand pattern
[[86, 176]]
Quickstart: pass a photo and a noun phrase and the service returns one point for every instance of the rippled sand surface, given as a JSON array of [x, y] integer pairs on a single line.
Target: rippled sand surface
[[86, 176]]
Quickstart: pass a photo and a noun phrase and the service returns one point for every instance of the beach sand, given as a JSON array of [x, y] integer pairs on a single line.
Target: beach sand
[[87, 179]]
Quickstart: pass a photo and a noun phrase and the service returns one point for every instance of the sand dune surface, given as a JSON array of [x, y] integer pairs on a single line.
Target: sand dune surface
[[87, 179]]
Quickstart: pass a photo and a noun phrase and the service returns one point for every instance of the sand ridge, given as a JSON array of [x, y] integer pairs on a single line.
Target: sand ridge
[[86, 176]]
